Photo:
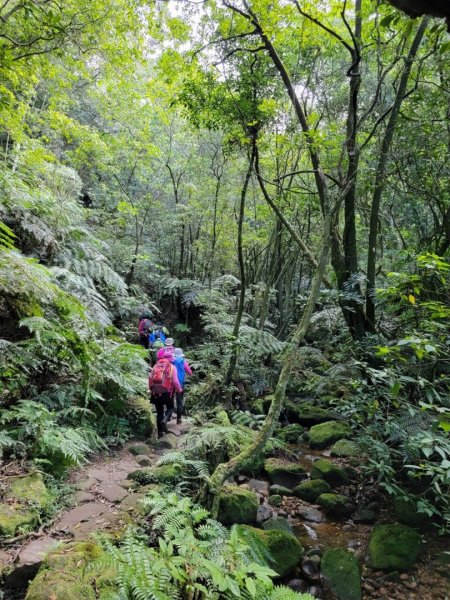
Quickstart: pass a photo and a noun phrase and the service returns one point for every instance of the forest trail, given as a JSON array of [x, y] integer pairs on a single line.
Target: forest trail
[[102, 502]]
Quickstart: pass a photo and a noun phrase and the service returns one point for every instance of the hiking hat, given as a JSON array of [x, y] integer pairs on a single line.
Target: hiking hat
[[169, 342], [178, 353]]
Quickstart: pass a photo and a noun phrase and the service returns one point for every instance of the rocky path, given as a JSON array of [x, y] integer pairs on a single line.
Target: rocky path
[[102, 502]]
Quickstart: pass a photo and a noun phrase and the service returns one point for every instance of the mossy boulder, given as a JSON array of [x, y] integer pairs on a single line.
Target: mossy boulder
[[407, 514], [393, 547], [311, 490], [307, 414], [141, 416], [140, 449], [29, 489], [237, 505], [331, 473], [325, 434], [66, 574], [285, 549], [275, 500], [344, 448], [284, 473], [341, 573], [291, 434], [335, 504], [278, 523], [280, 490], [14, 518], [167, 474]]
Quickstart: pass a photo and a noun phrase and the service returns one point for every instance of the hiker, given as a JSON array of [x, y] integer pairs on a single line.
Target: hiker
[[182, 367], [156, 334], [168, 345], [144, 329], [162, 383]]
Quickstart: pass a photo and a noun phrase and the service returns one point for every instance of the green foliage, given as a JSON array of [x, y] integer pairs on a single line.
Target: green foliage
[[194, 556]]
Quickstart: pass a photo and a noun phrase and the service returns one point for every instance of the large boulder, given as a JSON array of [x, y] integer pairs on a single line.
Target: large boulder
[[393, 547], [284, 473], [237, 505], [278, 523], [340, 571], [284, 548], [325, 469], [291, 434], [311, 490], [168, 474], [325, 434], [335, 504]]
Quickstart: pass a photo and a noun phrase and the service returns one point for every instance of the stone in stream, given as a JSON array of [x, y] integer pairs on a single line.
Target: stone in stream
[[280, 490], [336, 504], [258, 485], [341, 573], [311, 514], [275, 500], [263, 513], [323, 435], [287, 474], [237, 505], [284, 548], [309, 568], [331, 473], [307, 414], [278, 523], [393, 547], [364, 515], [311, 490]]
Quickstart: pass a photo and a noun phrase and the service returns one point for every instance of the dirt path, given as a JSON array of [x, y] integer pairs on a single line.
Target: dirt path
[[102, 501]]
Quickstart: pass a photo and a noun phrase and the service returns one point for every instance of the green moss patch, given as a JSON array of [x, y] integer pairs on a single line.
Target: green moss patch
[[325, 469], [14, 518], [335, 504], [311, 490], [237, 505], [284, 473], [163, 474], [325, 434], [344, 448], [285, 549], [393, 547], [340, 570]]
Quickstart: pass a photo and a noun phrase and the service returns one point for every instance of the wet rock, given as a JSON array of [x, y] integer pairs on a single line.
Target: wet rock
[[311, 514], [263, 513], [325, 434], [298, 585], [336, 504], [83, 497], [316, 551], [143, 460], [275, 500], [344, 448], [282, 513], [285, 550], [393, 547], [258, 485], [340, 571], [315, 591], [310, 490], [283, 473], [278, 523], [326, 470], [309, 568], [364, 515], [280, 490], [237, 506], [242, 478], [113, 493], [139, 449]]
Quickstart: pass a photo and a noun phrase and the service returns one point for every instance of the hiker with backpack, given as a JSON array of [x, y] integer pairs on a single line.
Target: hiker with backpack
[[144, 329], [163, 383], [182, 367], [168, 345]]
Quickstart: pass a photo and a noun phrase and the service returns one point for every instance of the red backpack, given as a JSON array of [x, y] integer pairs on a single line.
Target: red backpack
[[160, 379]]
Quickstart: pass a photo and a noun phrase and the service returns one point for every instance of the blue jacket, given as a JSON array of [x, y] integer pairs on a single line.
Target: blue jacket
[[182, 367], [152, 337]]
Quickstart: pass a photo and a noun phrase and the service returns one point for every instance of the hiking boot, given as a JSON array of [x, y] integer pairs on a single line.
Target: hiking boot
[[160, 434], [164, 426]]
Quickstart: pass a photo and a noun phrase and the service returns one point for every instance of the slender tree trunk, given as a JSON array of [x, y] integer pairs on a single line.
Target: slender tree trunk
[[380, 173], [240, 310]]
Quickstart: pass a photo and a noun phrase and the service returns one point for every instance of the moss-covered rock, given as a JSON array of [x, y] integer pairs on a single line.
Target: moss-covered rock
[[237, 505], [308, 414], [311, 490], [344, 448], [335, 504], [407, 513], [325, 469], [65, 575], [291, 434], [280, 490], [275, 500], [393, 547], [14, 518], [141, 416], [284, 473], [325, 434], [140, 449], [285, 549], [278, 523], [29, 489], [340, 570], [162, 474]]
